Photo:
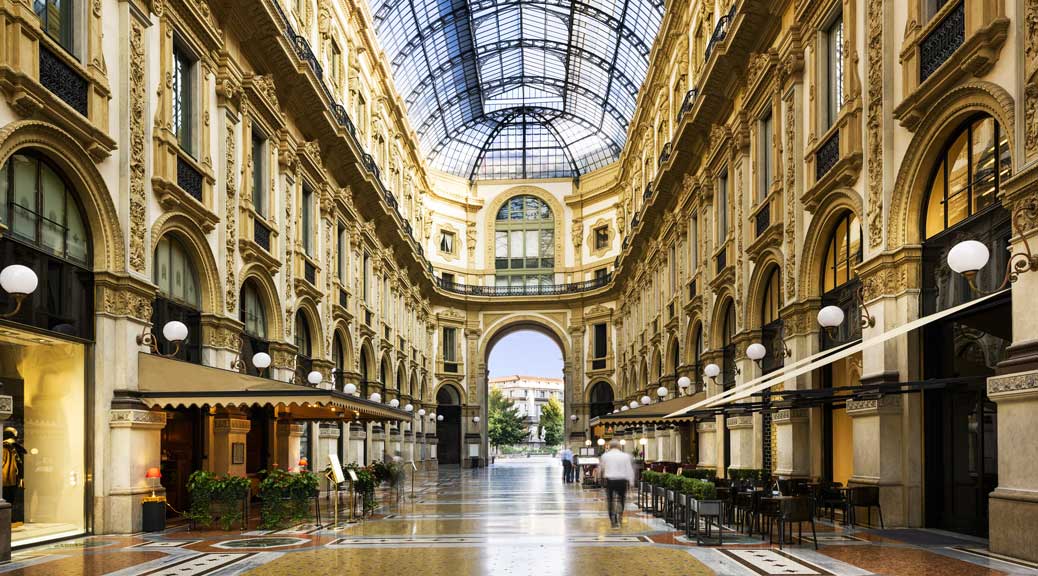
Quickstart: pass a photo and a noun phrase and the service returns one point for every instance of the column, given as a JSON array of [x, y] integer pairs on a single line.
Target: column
[[707, 431], [289, 435], [357, 439], [136, 438], [6, 408], [741, 441], [792, 443], [878, 435], [230, 427], [327, 443]]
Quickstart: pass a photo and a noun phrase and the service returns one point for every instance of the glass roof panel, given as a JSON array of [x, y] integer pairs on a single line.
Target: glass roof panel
[[518, 88]]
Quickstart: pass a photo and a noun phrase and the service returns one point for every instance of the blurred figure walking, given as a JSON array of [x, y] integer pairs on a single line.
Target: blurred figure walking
[[616, 469], [567, 465]]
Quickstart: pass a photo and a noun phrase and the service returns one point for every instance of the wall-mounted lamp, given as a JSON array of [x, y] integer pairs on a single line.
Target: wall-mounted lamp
[[174, 331], [634, 404], [350, 389], [683, 384], [18, 281], [645, 400], [394, 403], [408, 408], [261, 360], [475, 419], [439, 417], [601, 441], [375, 397], [421, 412], [830, 317], [662, 392], [573, 417], [587, 442], [314, 378], [711, 371], [970, 256]]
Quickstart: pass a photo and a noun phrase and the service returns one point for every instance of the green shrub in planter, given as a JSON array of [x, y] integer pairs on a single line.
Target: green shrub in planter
[[365, 485], [700, 473], [285, 497], [216, 499], [651, 477], [673, 481], [755, 475]]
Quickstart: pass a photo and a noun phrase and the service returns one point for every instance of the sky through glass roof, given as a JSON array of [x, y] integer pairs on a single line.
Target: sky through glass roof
[[518, 88]]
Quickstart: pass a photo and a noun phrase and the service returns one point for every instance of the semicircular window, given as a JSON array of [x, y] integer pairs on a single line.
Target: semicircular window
[[178, 298], [524, 244]]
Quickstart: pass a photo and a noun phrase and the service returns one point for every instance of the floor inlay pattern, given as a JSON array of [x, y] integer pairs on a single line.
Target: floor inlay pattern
[[199, 565], [769, 562]]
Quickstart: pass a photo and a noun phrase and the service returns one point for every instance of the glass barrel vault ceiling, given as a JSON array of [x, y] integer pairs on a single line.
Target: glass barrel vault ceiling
[[518, 88]]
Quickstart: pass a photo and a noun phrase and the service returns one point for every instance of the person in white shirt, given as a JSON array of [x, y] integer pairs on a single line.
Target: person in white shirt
[[616, 469], [567, 465]]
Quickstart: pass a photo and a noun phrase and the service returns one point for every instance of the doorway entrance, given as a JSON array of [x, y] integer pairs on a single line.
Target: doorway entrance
[[448, 426]]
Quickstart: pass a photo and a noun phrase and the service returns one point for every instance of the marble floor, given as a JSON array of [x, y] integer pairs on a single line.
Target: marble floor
[[515, 518]]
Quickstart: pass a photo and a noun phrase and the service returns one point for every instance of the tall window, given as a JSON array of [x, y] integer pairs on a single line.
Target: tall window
[[602, 238], [767, 156], [673, 269], [344, 254], [183, 98], [56, 20], [307, 217], [524, 243], [254, 316], [447, 242], [693, 245], [259, 172], [843, 254], [833, 62], [335, 62], [969, 174], [722, 207], [601, 349], [698, 362], [304, 349], [178, 297], [728, 346], [366, 288], [771, 324], [450, 343]]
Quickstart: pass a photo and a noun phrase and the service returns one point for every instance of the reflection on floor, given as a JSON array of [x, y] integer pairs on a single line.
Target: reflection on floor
[[34, 532], [515, 518]]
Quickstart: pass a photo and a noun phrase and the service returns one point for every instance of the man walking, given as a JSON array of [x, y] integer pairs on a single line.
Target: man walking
[[567, 465], [617, 471]]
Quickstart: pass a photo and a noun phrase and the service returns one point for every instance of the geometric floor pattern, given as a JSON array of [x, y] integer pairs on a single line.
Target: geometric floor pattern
[[513, 519]]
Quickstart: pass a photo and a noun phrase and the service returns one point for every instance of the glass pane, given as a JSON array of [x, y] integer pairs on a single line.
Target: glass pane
[[1005, 158], [841, 253], [3, 191], [161, 264], [984, 157], [77, 242], [958, 207], [958, 163], [547, 243], [935, 205], [531, 244], [23, 219], [854, 252], [501, 244], [177, 265], [52, 225], [515, 243], [500, 281]]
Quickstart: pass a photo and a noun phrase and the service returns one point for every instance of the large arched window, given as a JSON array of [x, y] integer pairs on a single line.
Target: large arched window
[[304, 349], [46, 231], [601, 399], [178, 297], [728, 346], [771, 324], [524, 243], [698, 359], [840, 282], [254, 316], [969, 174], [339, 358]]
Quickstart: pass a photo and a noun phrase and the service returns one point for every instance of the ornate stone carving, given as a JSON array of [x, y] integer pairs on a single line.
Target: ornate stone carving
[[577, 232], [1018, 383], [890, 403], [874, 121], [126, 303], [1031, 78], [789, 226], [264, 84], [122, 418], [230, 221], [138, 200], [470, 239]]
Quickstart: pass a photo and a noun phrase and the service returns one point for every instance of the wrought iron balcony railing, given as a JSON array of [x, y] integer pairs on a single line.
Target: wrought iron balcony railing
[[540, 290], [942, 41], [827, 155], [688, 103], [763, 218], [720, 31]]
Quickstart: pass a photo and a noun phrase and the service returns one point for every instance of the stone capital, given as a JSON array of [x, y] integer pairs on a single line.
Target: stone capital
[[137, 419]]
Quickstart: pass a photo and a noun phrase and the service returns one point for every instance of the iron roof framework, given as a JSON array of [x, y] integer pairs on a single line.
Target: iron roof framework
[[519, 88]]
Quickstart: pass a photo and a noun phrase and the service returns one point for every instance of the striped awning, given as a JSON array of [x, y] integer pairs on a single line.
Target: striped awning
[[650, 413]]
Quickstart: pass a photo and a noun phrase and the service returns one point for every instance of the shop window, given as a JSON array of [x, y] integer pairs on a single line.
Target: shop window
[[178, 299], [969, 174], [47, 232], [57, 21], [184, 95]]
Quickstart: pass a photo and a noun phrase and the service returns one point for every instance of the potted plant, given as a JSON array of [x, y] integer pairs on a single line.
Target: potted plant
[[672, 486], [285, 497], [650, 480], [216, 500]]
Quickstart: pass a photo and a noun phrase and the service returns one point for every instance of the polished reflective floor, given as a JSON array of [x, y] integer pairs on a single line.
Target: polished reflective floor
[[515, 518]]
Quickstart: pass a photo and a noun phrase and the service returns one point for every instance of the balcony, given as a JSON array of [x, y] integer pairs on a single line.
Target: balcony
[[541, 290], [664, 154], [720, 261], [310, 272], [762, 220], [647, 193], [827, 155], [65, 82], [688, 103], [942, 41], [189, 179], [261, 234], [720, 31]]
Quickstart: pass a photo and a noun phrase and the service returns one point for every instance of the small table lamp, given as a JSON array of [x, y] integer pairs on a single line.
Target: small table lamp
[[151, 475]]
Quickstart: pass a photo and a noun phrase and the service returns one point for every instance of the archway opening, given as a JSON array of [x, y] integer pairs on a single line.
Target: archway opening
[[448, 425], [526, 393]]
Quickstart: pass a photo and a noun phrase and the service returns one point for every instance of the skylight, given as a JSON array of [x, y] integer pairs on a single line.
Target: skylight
[[518, 88]]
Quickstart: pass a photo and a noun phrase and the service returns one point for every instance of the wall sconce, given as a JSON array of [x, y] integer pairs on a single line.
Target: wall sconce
[[375, 397], [830, 317], [439, 417], [174, 331], [421, 412], [314, 378], [261, 360], [683, 384], [645, 400], [394, 403], [573, 417], [969, 256], [662, 392], [350, 389], [712, 371], [18, 281], [475, 419], [601, 441], [634, 404], [587, 442], [408, 408]]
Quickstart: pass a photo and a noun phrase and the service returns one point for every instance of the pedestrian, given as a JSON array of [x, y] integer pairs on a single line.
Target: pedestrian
[[616, 469], [567, 465]]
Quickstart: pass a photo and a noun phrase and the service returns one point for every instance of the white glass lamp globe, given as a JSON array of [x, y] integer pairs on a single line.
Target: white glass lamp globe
[[615, 411], [375, 397], [394, 402], [662, 391], [587, 442], [711, 370], [408, 408], [830, 317], [643, 441], [18, 279], [261, 360], [684, 382], [646, 400], [421, 411], [432, 414], [174, 331], [350, 388], [756, 351], [623, 442], [475, 419], [968, 256], [439, 418], [573, 417], [634, 404], [315, 377], [624, 408], [601, 441]]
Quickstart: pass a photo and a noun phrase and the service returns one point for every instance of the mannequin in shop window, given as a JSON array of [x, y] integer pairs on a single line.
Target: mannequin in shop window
[[14, 475]]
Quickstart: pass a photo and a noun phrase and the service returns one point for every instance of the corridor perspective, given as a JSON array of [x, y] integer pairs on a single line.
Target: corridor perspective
[[513, 518]]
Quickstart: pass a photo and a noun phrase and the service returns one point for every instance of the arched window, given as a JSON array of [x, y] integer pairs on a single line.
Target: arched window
[[178, 297], [254, 316], [771, 324], [601, 399], [840, 279], [304, 351], [365, 372], [969, 174], [728, 346], [843, 254], [339, 357], [524, 244], [698, 358], [46, 231]]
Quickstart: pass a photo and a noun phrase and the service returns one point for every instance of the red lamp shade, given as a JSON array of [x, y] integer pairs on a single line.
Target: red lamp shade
[[153, 473]]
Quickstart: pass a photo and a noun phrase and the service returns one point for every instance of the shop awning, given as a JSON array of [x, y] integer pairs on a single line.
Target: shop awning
[[771, 380], [164, 382], [650, 413]]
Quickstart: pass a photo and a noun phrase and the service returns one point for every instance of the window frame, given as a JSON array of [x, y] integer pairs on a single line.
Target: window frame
[[259, 153], [833, 72], [184, 96], [306, 218], [721, 202], [69, 34], [766, 153]]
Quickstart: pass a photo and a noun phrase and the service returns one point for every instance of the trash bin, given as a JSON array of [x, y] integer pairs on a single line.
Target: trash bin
[[154, 514]]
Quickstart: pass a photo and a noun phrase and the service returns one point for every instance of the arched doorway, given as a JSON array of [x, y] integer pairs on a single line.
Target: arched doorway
[[448, 426]]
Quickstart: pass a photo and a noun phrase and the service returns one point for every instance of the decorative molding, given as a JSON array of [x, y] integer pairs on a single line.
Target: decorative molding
[[130, 418], [1015, 386], [230, 218], [874, 124], [137, 198], [883, 405]]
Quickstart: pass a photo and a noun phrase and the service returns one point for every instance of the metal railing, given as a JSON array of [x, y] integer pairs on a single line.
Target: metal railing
[[942, 41], [763, 218], [827, 155], [720, 31], [664, 154], [540, 290], [688, 103]]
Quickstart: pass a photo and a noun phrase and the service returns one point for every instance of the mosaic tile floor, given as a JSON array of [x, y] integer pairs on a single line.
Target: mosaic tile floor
[[515, 519]]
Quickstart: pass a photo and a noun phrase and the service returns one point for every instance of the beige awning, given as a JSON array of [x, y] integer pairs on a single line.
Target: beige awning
[[650, 413], [164, 382], [760, 384]]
